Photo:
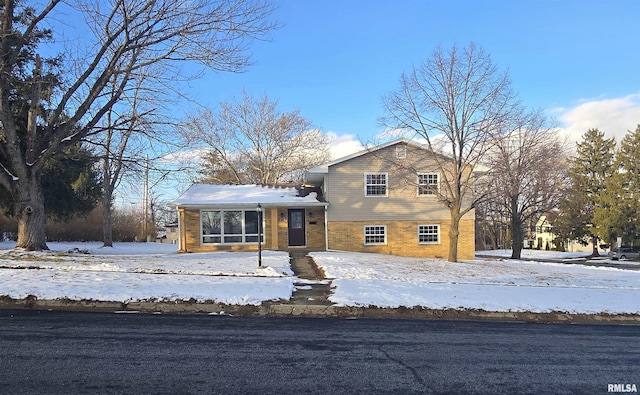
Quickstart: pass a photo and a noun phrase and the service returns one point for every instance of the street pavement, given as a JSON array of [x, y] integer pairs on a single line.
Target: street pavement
[[56, 352]]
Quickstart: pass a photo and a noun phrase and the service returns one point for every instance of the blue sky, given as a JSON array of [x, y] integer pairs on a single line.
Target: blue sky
[[333, 60], [578, 60]]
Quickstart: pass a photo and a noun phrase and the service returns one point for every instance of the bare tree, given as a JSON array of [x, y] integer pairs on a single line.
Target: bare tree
[[529, 165], [121, 148], [128, 133], [123, 38], [491, 223], [458, 102], [250, 141]]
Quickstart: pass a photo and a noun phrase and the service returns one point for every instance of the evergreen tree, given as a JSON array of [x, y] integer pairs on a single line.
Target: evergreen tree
[[71, 184], [618, 213], [589, 171]]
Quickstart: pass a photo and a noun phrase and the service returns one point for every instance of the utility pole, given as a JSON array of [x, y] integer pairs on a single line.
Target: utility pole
[[145, 199]]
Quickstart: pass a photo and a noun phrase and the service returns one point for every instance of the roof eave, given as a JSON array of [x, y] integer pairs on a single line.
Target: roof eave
[[245, 205]]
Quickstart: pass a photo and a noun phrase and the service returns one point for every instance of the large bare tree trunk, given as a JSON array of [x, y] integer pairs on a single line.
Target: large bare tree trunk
[[107, 218], [517, 236], [30, 205], [454, 233], [31, 215]]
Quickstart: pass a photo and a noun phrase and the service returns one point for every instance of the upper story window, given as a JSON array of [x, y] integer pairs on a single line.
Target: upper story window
[[427, 184], [375, 184]]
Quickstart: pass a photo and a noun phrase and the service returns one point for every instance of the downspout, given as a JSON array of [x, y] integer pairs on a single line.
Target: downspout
[[326, 229], [326, 212], [179, 229]]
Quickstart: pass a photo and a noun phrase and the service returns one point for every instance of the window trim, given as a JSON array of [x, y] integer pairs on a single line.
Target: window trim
[[424, 234], [222, 234], [384, 234], [423, 185], [386, 183]]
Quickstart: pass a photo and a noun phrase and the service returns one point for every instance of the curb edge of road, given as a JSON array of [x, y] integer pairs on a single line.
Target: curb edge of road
[[278, 309]]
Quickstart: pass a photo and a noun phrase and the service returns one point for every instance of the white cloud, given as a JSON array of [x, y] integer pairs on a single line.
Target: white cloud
[[614, 117], [187, 156], [343, 145], [393, 134], [339, 146]]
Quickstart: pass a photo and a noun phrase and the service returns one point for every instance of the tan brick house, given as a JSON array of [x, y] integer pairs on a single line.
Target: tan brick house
[[379, 200]]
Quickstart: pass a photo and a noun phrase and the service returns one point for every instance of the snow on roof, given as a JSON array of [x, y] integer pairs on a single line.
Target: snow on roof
[[244, 195]]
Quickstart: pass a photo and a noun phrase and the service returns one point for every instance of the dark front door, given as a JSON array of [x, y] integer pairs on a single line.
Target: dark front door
[[296, 227]]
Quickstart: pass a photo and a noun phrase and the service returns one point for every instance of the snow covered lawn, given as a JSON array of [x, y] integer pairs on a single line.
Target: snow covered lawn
[[143, 272], [155, 272], [491, 284]]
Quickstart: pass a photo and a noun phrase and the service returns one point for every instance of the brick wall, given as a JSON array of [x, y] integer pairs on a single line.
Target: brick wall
[[314, 224], [315, 229], [402, 238]]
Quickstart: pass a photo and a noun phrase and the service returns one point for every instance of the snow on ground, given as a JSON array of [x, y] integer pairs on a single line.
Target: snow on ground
[[148, 258], [144, 272], [535, 254], [489, 284], [155, 272]]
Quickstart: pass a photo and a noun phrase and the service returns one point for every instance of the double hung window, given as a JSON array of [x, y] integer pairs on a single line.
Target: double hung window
[[375, 234], [375, 184], [427, 184], [428, 234]]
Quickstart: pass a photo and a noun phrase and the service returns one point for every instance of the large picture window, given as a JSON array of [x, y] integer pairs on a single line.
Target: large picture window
[[229, 226], [427, 184], [375, 234], [429, 234], [375, 184]]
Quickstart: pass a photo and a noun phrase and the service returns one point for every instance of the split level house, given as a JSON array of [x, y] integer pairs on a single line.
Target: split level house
[[380, 200]]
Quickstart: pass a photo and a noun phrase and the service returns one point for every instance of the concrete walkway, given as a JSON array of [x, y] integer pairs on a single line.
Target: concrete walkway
[[312, 288]]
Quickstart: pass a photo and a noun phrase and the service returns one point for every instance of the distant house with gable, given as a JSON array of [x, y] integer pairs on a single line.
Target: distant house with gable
[[379, 200], [542, 236]]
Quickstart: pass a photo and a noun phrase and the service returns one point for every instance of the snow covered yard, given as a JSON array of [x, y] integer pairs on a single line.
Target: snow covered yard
[[143, 272], [155, 272], [490, 284]]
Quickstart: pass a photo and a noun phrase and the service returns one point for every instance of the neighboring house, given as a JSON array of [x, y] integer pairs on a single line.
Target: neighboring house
[[543, 237], [171, 233], [379, 200]]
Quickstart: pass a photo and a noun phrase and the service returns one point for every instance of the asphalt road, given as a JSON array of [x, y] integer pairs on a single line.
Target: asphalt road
[[48, 352]]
